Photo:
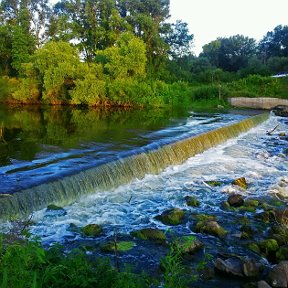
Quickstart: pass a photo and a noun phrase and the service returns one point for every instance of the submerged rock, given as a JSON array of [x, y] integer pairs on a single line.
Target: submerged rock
[[121, 246], [92, 230], [172, 216], [235, 200], [281, 110], [192, 201], [263, 284], [214, 183], [278, 276], [282, 253], [54, 207], [241, 182], [149, 234]]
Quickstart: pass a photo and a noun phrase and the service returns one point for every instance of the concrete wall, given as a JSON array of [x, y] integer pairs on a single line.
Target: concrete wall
[[257, 103]]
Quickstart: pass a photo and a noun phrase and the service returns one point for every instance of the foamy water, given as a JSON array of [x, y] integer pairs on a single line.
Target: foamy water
[[254, 155]]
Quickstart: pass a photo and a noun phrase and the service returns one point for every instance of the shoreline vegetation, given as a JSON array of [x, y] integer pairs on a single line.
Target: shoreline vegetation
[[126, 54]]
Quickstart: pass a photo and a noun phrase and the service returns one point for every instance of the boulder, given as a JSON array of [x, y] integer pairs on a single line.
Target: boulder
[[149, 234], [210, 227], [92, 230], [192, 201], [278, 276], [189, 244], [243, 267], [235, 200], [281, 110], [172, 216], [231, 266]]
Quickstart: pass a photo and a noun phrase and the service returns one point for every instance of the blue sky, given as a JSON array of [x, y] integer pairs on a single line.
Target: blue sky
[[209, 19]]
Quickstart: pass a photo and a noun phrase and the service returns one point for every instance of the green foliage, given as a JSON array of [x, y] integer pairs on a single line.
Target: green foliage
[[254, 86], [230, 54], [4, 89], [126, 59], [179, 40], [173, 274], [56, 63], [90, 86], [27, 91], [26, 264], [210, 92]]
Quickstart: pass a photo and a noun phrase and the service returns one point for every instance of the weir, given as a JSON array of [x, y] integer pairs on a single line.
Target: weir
[[66, 190]]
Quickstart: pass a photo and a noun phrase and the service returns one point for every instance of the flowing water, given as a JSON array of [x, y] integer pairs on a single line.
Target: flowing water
[[58, 174], [140, 146]]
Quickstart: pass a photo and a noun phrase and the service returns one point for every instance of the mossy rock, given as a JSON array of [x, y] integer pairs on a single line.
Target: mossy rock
[[254, 247], [241, 182], [92, 230], [281, 216], [121, 246], [245, 236], [251, 203], [282, 253], [279, 233], [247, 231], [149, 234], [172, 216], [192, 201], [226, 206], [266, 216], [189, 244], [251, 209], [53, 207], [205, 217], [268, 246], [211, 228], [276, 202], [214, 183]]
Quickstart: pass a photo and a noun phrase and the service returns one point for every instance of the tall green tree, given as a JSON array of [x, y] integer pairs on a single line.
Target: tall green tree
[[274, 43], [179, 40], [230, 54]]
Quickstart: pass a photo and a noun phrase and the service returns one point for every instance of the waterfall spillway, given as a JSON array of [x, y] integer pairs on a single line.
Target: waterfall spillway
[[151, 160]]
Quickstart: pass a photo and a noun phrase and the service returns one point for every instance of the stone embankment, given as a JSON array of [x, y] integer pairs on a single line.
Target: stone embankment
[[257, 103]]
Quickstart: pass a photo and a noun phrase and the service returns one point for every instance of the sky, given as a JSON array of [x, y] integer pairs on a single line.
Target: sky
[[209, 19]]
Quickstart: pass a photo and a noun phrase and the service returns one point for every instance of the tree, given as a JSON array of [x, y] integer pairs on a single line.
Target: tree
[[56, 64], [179, 40], [230, 54], [274, 43], [126, 59], [5, 50]]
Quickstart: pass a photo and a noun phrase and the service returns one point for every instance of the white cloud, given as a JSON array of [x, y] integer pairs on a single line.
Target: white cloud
[[209, 19]]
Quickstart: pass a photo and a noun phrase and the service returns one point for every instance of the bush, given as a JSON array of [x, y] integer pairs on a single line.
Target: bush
[[210, 92], [255, 86], [26, 264]]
